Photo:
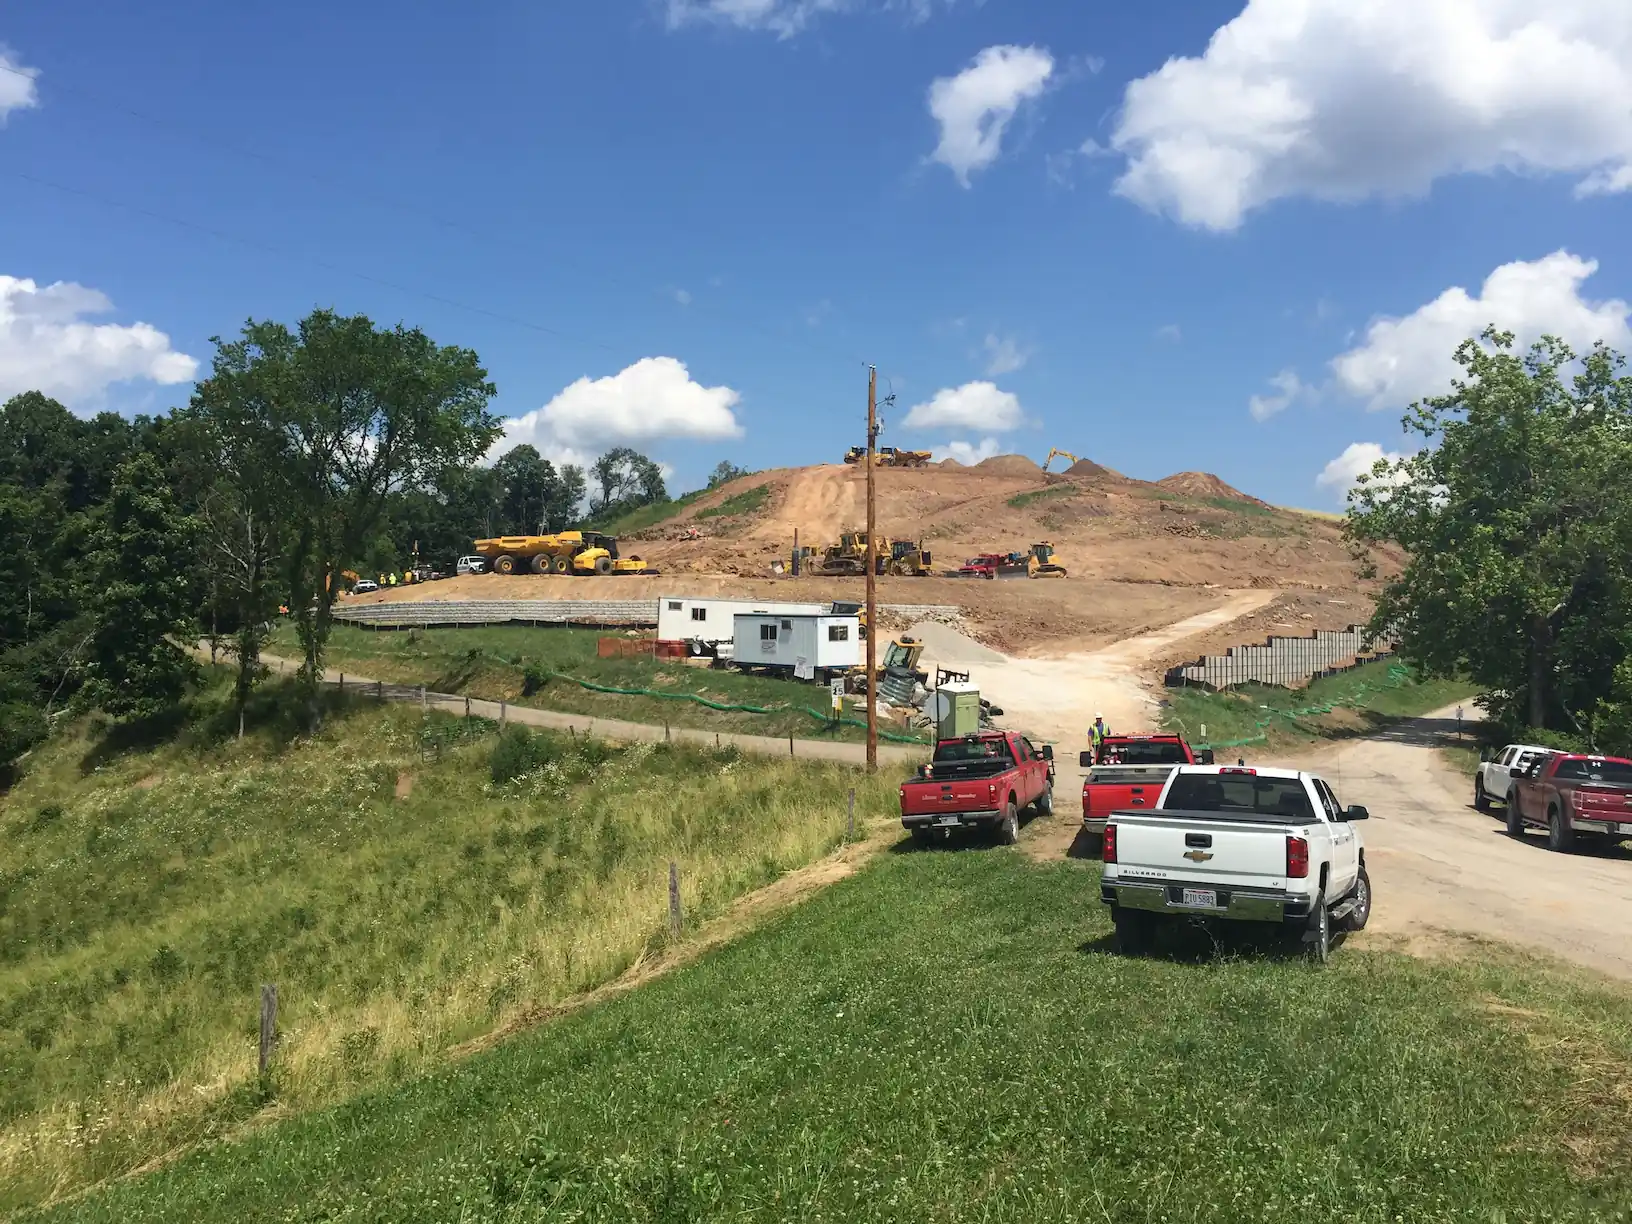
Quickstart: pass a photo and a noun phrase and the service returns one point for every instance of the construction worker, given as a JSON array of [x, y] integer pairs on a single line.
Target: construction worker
[[1097, 734]]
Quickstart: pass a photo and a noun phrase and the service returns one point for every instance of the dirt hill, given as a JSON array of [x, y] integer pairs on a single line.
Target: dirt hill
[[1204, 484]]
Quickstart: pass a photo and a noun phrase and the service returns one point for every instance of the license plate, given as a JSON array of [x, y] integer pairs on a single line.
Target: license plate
[[1201, 896], [949, 820]]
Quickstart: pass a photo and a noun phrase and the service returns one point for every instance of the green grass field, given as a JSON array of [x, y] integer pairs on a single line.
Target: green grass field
[[401, 902], [1021, 500], [492, 663], [747, 502], [643, 517], [947, 1036], [1364, 699]]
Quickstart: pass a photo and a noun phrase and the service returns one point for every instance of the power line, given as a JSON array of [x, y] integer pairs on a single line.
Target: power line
[[303, 171]]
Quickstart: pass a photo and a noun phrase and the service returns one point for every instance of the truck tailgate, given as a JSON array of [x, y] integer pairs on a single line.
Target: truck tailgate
[[1159, 846], [1109, 788], [950, 795]]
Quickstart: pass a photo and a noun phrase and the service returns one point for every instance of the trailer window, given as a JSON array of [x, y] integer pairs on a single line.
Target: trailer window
[[698, 614], [674, 605], [767, 633], [1618, 772], [838, 633], [1246, 793]]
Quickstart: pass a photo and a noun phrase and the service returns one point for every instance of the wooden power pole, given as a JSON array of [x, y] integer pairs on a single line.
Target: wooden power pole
[[872, 568]]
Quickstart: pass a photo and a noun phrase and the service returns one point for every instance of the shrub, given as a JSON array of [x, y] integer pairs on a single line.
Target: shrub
[[533, 678], [517, 753]]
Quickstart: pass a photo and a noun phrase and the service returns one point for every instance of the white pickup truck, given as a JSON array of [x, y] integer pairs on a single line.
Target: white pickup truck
[[1242, 844], [1493, 781]]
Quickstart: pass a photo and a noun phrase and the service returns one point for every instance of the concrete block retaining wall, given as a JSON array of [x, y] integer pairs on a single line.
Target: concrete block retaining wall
[[1286, 661]]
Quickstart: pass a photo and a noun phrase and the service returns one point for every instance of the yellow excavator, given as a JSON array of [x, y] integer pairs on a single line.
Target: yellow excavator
[[1041, 563], [1055, 453]]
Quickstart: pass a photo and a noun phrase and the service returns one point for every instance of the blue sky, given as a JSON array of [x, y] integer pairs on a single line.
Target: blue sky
[[689, 224]]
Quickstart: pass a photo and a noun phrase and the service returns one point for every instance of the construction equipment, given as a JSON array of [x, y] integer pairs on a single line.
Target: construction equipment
[[1042, 563], [1055, 453], [910, 560], [889, 456], [995, 565], [567, 552], [850, 555], [898, 674]]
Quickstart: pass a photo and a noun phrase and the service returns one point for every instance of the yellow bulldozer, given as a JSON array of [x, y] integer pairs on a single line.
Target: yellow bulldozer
[[566, 552], [889, 456], [910, 560], [849, 555], [1041, 562]]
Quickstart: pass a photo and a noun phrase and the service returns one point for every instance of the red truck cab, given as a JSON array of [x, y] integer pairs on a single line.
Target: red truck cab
[[980, 782], [1129, 772], [1571, 795], [992, 565]]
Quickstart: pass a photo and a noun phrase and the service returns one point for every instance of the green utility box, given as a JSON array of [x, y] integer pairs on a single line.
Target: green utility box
[[958, 709]]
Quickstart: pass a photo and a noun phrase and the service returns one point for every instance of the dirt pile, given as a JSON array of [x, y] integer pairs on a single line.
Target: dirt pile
[[1204, 484], [1083, 469], [1009, 465]]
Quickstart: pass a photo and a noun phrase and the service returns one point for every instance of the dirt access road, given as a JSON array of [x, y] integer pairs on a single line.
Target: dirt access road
[[1055, 698], [1437, 863]]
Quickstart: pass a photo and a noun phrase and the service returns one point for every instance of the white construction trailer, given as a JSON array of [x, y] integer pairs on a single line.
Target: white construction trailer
[[686, 618], [812, 646]]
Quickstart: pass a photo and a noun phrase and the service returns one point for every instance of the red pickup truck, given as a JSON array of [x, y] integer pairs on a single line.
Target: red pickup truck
[[993, 565], [1570, 794], [1129, 772], [979, 781]]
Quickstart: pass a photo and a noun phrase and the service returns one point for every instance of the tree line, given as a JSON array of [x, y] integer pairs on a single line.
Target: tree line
[[306, 452]]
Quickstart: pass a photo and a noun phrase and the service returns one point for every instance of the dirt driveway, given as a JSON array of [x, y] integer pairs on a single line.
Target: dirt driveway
[[1437, 863]]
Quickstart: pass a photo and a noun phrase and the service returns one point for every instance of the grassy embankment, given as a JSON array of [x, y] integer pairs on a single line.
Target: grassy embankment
[[947, 1037], [401, 901], [1352, 703], [493, 663], [644, 517]]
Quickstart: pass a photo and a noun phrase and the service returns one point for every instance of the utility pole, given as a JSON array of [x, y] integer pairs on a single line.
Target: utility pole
[[872, 567]]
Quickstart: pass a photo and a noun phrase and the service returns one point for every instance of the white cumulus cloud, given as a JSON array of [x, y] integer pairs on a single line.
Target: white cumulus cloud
[[1405, 359], [47, 345], [784, 18], [652, 399], [1004, 355], [966, 453], [1288, 389], [17, 88], [975, 405], [1344, 101], [1357, 459], [976, 107]]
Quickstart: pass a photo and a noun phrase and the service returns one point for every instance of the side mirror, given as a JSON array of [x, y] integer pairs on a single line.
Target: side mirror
[[1517, 771], [1484, 755], [1204, 757], [1356, 812], [1085, 759], [1048, 752]]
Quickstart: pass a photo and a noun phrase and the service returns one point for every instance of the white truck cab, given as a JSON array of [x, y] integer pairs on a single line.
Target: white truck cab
[[1238, 843], [1493, 782]]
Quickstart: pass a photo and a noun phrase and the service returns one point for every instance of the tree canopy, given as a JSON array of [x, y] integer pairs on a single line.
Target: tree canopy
[[1517, 526]]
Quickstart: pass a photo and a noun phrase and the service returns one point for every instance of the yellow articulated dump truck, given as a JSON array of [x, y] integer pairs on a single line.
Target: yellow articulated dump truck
[[567, 552]]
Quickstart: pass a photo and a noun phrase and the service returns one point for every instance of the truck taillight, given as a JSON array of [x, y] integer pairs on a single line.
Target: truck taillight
[[1297, 858], [1109, 852], [991, 790]]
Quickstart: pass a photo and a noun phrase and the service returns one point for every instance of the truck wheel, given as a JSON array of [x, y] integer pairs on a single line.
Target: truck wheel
[[1317, 939], [1135, 930], [1515, 818], [603, 565], [1358, 916], [540, 564], [1045, 805], [560, 565], [1560, 836], [1481, 801], [505, 565], [1008, 832]]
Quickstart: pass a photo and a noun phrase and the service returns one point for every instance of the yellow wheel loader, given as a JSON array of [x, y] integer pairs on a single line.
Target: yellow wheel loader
[[1042, 563]]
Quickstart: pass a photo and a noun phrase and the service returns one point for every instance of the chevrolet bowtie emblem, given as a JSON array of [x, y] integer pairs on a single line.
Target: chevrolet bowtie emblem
[[1198, 856]]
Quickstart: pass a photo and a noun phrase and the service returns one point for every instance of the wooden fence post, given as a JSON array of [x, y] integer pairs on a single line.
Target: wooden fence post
[[379, 690], [674, 899], [422, 702], [850, 824], [342, 682], [665, 733], [790, 745], [467, 708], [502, 710], [269, 1026]]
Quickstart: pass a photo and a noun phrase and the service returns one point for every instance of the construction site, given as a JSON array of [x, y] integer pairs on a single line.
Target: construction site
[[1064, 592]]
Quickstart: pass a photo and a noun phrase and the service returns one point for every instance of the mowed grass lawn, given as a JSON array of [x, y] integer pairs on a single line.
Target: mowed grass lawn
[[947, 1036], [402, 902], [1364, 699], [492, 663]]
